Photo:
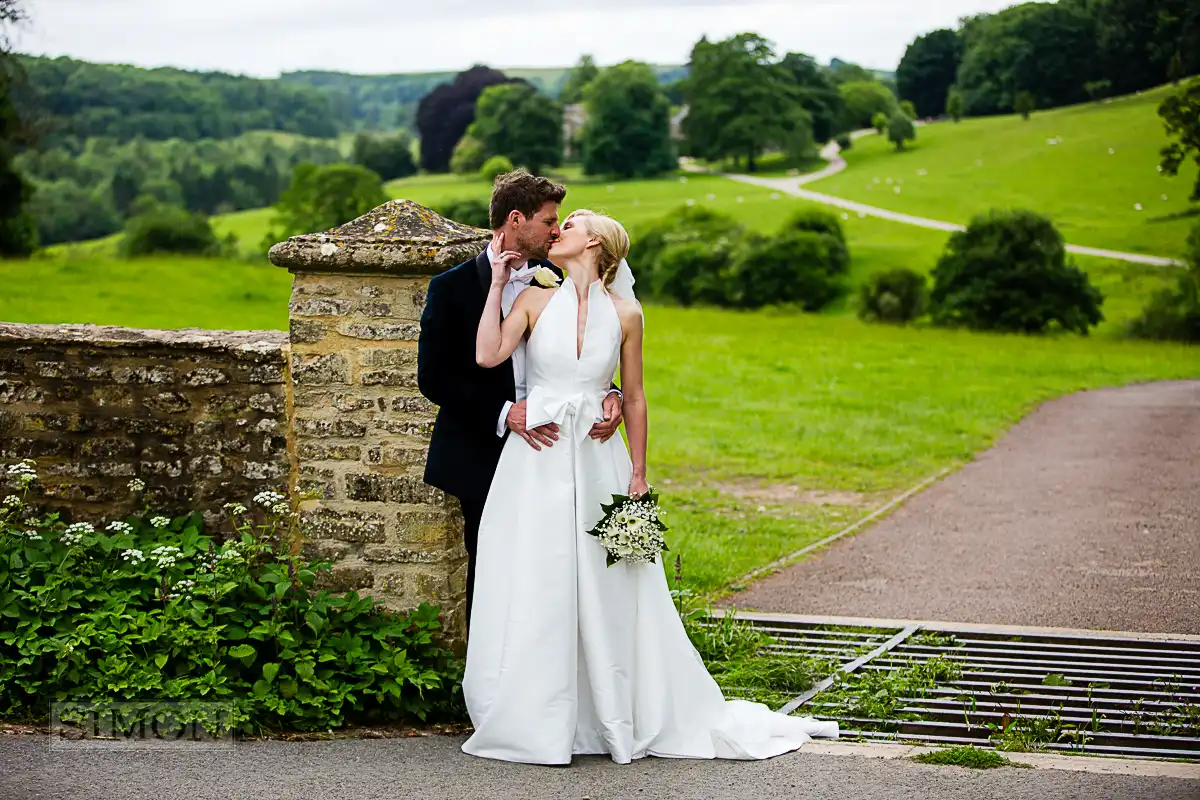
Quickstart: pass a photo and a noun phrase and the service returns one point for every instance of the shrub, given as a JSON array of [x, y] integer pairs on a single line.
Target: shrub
[[1008, 271], [828, 225], [794, 266], [152, 608], [495, 166], [844, 142], [469, 156], [1174, 314], [673, 279], [895, 296], [323, 197], [908, 109], [468, 211], [1024, 104], [879, 121], [900, 130], [168, 229]]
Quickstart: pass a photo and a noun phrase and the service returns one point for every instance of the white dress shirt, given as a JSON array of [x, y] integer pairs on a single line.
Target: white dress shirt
[[518, 281]]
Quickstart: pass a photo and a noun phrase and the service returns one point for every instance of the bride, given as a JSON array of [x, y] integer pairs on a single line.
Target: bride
[[567, 655]]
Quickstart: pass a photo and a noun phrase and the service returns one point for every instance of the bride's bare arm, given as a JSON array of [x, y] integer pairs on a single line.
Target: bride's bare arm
[[636, 423]]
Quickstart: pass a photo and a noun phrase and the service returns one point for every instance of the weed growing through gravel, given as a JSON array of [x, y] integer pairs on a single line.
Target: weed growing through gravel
[[966, 756]]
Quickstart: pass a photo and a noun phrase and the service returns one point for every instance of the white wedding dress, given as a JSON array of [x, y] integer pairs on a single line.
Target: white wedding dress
[[566, 655]]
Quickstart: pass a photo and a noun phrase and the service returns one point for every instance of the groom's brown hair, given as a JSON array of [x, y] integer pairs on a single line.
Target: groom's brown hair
[[520, 190]]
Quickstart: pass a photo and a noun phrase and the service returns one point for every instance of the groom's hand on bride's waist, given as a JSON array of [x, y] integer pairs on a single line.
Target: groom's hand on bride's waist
[[542, 436]]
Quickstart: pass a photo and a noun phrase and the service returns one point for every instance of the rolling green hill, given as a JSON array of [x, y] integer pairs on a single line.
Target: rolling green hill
[[1091, 168]]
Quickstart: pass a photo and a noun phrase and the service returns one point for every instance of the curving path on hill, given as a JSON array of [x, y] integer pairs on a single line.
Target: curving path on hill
[[832, 155], [1086, 515]]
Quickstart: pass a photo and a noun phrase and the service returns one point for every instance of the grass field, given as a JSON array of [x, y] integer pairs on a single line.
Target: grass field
[[954, 171]]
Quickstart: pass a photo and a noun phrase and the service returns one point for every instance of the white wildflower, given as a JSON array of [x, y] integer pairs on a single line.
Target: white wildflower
[[12, 501], [165, 555], [120, 527], [80, 528], [1137, 206], [71, 539], [1164, 197], [33, 536], [133, 556], [235, 508], [160, 522], [1111, 151], [137, 485], [281, 508], [268, 499], [23, 473]]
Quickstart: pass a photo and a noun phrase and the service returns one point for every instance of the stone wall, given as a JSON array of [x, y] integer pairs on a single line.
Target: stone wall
[[199, 416], [360, 425]]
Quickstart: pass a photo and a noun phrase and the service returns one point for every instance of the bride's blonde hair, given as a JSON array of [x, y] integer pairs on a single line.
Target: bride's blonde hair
[[614, 241]]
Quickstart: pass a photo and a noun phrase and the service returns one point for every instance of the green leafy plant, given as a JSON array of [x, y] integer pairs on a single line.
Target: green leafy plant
[[966, 756], [153, 608], [897, 296]]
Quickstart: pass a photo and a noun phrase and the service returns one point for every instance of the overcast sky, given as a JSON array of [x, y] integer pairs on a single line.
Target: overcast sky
[[266, 37]]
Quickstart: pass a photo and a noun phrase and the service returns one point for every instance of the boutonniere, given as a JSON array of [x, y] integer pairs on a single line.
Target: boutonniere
[[546, 278]]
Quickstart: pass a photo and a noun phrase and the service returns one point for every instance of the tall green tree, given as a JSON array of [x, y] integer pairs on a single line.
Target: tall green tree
[[1181, 116], [518, 122], [928, 69], [863, 101], [321, 198], [18, 233], [1140, 40], [900, 129], [1048, 49], [954, 104], [578, 79], [818, 94], [628, 130], [741, 101]]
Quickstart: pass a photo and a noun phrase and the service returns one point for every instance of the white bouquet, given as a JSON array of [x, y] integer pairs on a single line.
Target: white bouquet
[[631, 529]]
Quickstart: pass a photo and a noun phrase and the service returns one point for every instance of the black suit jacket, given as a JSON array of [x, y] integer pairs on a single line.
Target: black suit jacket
[[465, 449]]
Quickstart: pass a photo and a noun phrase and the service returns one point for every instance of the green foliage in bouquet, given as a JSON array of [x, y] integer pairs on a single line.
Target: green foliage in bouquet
[[631, 529]]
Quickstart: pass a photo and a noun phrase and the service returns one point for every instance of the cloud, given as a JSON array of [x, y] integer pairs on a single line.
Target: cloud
[[266, 37]]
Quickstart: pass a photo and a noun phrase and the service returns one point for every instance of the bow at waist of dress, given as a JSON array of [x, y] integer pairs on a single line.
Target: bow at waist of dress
[[547, 404]]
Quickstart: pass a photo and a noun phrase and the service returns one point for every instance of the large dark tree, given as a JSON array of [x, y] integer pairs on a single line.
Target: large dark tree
[[928, 69], [388, 156], [445, 114], [741, 101], [628, 131], [18, 235], [817, 93], [1047, 49], [1139, 39]]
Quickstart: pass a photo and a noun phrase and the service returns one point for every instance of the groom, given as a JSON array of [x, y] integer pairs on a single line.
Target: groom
[[479, 408]]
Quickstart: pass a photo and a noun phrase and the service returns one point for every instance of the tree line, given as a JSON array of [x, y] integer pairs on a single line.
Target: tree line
[[1042, 55], [77, 99]]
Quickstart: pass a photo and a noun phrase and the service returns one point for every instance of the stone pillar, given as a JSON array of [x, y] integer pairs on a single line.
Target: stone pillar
[[360, 427]]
